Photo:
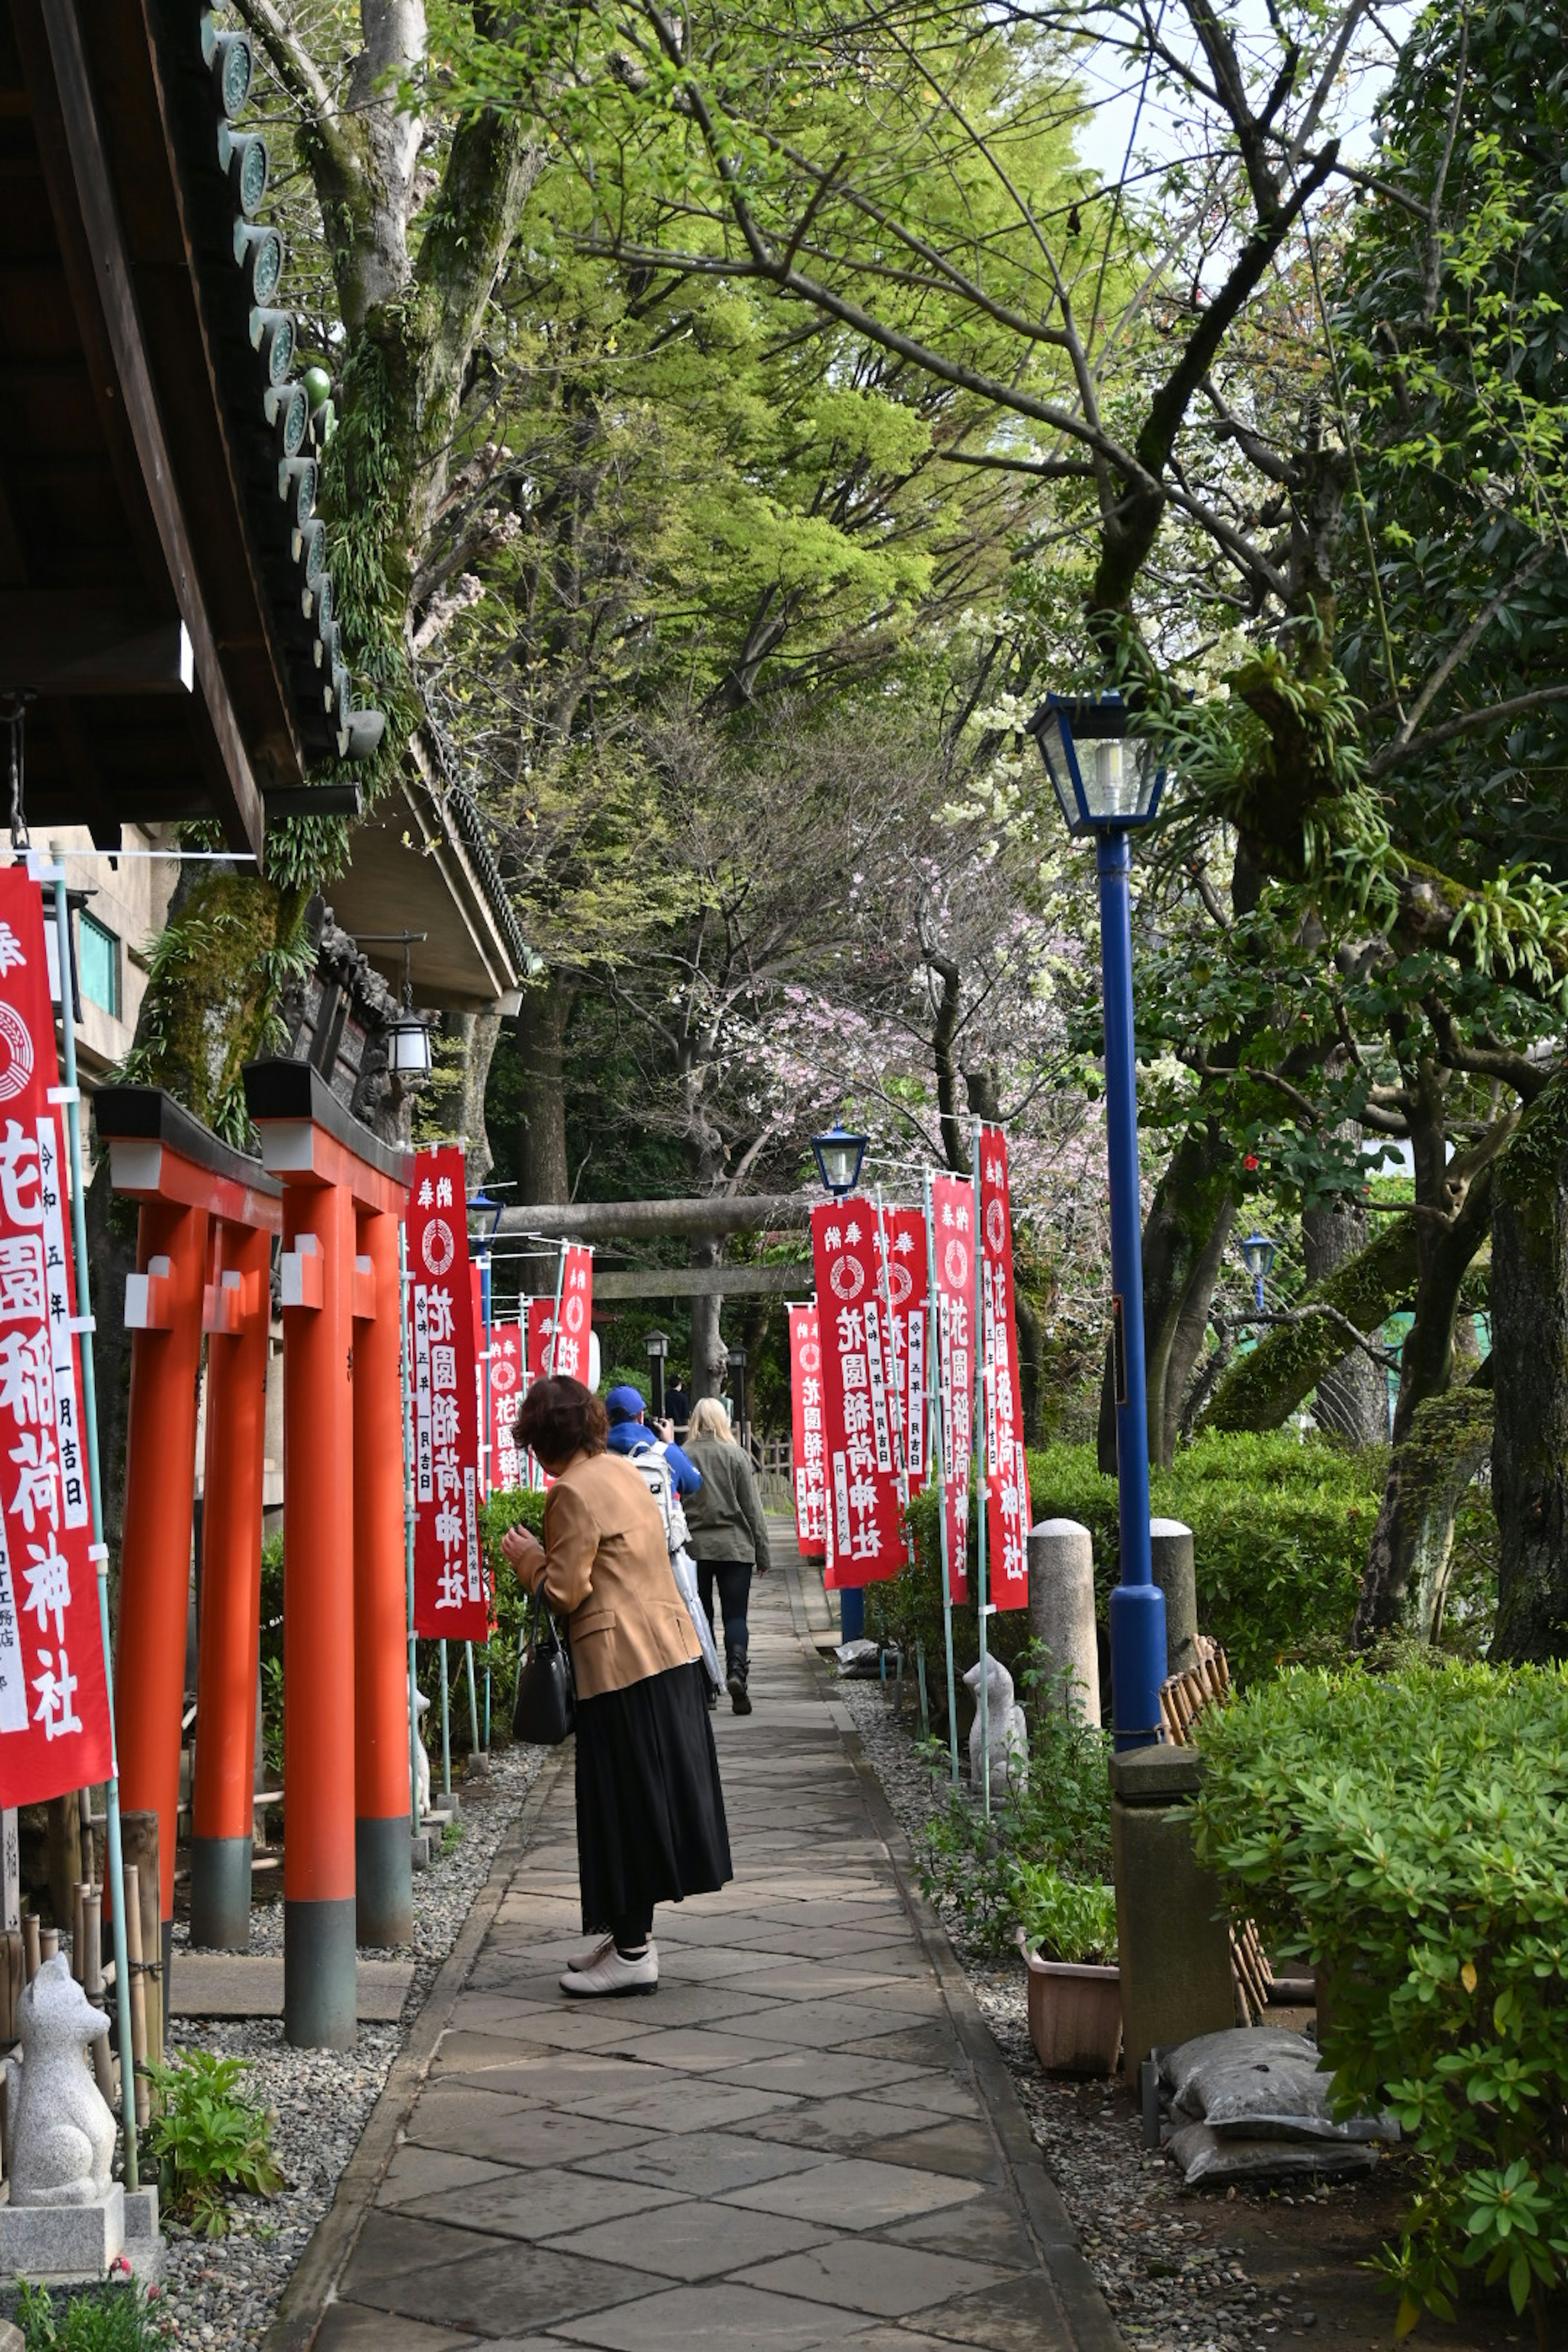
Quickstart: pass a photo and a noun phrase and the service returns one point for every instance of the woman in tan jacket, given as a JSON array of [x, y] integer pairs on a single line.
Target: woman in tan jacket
[[650, 1810]]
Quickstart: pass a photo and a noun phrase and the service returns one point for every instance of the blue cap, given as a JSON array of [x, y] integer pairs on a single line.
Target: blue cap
[[625, 1403]]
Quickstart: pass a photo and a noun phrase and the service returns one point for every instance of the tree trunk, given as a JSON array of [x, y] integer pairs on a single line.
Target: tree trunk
[[1449, 1439], [1403, 1534], [1353, 1396], [542, 1060], [463, 1082], [1262, 1390], [708, 1349], [1192, 1329], [1529, 1356], [1183, 1246]]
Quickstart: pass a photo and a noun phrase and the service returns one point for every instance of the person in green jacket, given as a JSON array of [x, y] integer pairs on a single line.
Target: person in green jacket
[[727, 1536]]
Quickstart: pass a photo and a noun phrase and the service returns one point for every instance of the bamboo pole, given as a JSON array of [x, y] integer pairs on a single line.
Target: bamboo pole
[[138, 1991]]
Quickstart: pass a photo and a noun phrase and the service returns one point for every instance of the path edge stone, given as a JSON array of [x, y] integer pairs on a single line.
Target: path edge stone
[[1084, 2307], [311, 2287]]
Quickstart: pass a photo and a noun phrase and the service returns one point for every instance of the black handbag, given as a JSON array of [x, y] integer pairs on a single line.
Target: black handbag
[[545, 1705]]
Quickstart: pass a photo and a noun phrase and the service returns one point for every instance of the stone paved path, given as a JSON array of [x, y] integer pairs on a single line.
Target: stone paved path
[[805, 2139]]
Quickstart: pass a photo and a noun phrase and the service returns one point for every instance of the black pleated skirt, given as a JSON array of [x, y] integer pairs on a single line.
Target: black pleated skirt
[[650, 1810]]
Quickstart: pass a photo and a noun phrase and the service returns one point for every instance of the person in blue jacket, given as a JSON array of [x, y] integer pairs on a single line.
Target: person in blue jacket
[[630, 1431]]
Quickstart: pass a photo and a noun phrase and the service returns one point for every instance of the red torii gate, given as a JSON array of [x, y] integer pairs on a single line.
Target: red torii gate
[[208, 1215], [347, 1846], [337, 1196]]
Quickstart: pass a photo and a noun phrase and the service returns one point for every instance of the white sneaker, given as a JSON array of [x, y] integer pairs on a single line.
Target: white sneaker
[[595, 1953], [612, 1974]]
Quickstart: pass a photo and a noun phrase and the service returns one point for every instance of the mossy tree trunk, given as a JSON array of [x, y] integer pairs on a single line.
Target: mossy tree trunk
[[1530, 1357], [1454, 1209], [1184, 1236], [1352, 1395], [1261, 1390]]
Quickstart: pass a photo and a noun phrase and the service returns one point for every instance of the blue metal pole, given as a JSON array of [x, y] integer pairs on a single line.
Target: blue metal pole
[[1137, 1605]]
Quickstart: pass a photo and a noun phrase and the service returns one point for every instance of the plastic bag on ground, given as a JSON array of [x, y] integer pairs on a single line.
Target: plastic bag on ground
[[1206, 2158]]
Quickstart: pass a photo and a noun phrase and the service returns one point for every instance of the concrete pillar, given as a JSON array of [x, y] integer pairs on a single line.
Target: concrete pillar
[[239, 1315], [1170, 1553], [164, 1309], [1173, 1941], [383, 1822], [1061, 1606], [319, 1997]]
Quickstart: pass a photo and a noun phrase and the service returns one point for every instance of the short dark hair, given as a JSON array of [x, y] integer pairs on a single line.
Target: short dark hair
[[558, 1418]]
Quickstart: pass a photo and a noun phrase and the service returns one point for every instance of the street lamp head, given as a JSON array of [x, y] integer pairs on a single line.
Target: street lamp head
[[1258, 1251], [838, 1155], [408, 1046], [1102, 771], [736, 1358], [656, 1344]]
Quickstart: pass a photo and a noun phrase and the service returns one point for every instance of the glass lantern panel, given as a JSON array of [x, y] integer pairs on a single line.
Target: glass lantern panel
[[1059, 767], [1116, 775]]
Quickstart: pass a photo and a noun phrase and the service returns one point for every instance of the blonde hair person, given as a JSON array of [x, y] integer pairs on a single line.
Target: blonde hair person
[[709, 1419], [727, 1536]]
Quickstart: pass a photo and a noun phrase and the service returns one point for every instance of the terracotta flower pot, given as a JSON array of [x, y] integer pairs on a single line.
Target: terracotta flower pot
[[1074, 2016]]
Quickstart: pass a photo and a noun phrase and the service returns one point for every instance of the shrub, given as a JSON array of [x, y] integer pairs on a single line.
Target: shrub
[[1413, 1829], [1280, 1531], [208, 2137]]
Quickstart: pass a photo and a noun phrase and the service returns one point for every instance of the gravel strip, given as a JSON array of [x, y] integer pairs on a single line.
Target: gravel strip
[[224, 2292], [1152, 2249]]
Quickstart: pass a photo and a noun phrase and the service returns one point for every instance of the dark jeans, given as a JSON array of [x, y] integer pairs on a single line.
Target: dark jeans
[[733, 1579]]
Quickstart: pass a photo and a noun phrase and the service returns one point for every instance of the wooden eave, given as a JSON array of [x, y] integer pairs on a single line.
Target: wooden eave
[[150, 605]]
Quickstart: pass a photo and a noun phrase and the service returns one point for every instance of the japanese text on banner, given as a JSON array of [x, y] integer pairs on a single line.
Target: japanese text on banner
[[1007, 1475], [54, 1701], [505, 1395], [952, 1281], [565, 1352], [806, 1399], [864, 1524], [450, 1596], [904, 1289]]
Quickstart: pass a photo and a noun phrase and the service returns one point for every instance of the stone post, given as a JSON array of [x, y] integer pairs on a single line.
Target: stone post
[[1061, 1606], [1170, 1551], [1173, 1938]]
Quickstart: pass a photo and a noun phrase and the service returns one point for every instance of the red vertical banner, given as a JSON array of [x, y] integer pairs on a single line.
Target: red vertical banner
[[1007, 1469], [505, 1395], [952, 1274], [904, 1238], [539, 1323], [566, 1353], [477, 1301], [449, 1598], [569, 1353], [54, 1703], [806, 1402], [865, 1534]]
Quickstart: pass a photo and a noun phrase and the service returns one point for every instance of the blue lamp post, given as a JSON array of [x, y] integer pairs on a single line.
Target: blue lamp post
[[1107, 783], [1258, 1251]]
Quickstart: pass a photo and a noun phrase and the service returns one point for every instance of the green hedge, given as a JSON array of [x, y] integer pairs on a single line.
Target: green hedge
[[1281, 1530], [1411, 1828]]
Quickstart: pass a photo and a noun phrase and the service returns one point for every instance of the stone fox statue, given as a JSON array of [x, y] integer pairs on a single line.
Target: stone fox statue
[[1008, 1729], [61, 2135]]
